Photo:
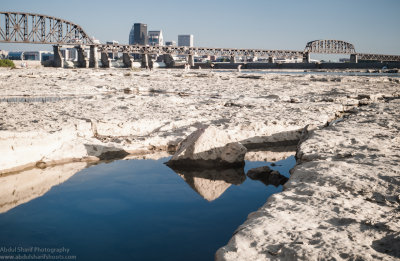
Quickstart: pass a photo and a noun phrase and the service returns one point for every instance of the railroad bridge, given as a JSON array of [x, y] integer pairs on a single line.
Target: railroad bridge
[[19, 27]]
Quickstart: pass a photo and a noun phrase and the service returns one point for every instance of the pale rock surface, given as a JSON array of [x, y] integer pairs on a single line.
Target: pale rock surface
[[44, 110], [209, 144], [342, 200]]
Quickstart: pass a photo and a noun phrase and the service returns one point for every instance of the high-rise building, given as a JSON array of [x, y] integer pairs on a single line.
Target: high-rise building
[[140, 34], [185, 40], [132, 35], [156, 38]]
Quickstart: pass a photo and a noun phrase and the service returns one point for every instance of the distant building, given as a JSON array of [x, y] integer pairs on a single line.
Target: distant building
[[156, 38], [112, 42], [15, 55], [140, 34], [113, 55], [132, 35], [30, 55], [185, 40], [94, 40], [170, 43]]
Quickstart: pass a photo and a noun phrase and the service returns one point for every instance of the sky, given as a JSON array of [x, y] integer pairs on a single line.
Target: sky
[[372, 26]]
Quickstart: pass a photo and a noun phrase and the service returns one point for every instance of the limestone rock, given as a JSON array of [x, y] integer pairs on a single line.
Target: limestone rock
[[267, 176], [209, 147]]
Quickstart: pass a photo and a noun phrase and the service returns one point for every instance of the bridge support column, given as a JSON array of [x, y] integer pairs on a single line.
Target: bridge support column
[[128, 60], [168, 60], [150, 61], [94, 57], [306, 57], [105, 60], [353, 58], [58, 60], [191, 60], [233, 60], [82, 59], [145, 61], [271, 59]]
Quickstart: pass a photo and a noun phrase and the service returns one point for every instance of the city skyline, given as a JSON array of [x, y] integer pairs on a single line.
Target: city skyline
[[371, 26]]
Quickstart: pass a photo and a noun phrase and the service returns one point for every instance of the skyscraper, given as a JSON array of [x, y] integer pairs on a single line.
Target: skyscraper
[[185, 40], [132, 35], [156, 38], [140, 34]]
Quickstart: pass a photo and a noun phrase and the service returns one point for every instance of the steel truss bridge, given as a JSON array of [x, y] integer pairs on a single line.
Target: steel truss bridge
[[19, 27], [183, 50]]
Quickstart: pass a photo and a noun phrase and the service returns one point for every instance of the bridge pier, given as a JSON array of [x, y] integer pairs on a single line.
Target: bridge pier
[[82, 59], [105, 60], [233, 60], [145, 61], [94, 57], [191, 60], [353, 58], [271, 59], [168, 60], [306, 57], [58, 60], [128, 60]]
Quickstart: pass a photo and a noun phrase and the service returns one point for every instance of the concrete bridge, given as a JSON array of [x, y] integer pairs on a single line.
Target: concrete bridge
[[18, 27]]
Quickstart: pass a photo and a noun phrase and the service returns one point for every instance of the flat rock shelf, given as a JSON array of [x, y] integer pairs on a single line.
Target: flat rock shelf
[[341, 201]]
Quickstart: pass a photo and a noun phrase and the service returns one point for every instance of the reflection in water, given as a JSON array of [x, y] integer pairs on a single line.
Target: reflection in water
[[211, 183], [125, 209], [24, 186], [267, 176]]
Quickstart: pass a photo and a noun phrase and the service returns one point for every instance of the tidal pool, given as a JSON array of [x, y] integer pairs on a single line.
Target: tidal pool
[[137, 210]]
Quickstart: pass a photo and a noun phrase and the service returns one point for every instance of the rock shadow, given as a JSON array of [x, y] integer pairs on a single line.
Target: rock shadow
[[277, 140], [388, 245], [105, 153]]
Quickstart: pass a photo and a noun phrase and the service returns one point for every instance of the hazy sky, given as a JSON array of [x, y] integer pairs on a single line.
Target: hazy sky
[[372, 26]]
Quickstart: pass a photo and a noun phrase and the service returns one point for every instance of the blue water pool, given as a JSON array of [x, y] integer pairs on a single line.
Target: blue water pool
[[137, 210]]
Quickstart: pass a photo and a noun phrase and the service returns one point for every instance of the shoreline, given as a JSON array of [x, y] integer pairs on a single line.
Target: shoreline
[[115, 112], [341, 200]]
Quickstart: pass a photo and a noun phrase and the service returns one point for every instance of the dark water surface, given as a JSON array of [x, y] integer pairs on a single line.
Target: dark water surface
[[137, 210]]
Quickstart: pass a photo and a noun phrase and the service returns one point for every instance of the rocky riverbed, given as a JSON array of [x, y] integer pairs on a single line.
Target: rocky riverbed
[[342, 200]]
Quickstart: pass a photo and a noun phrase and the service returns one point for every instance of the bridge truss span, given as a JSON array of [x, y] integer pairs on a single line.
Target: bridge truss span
[[18, 27], [330, 47], [378, 57], [183, 50]]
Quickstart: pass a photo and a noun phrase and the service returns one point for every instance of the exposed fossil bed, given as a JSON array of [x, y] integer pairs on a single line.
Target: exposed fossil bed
[[342, 200]]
